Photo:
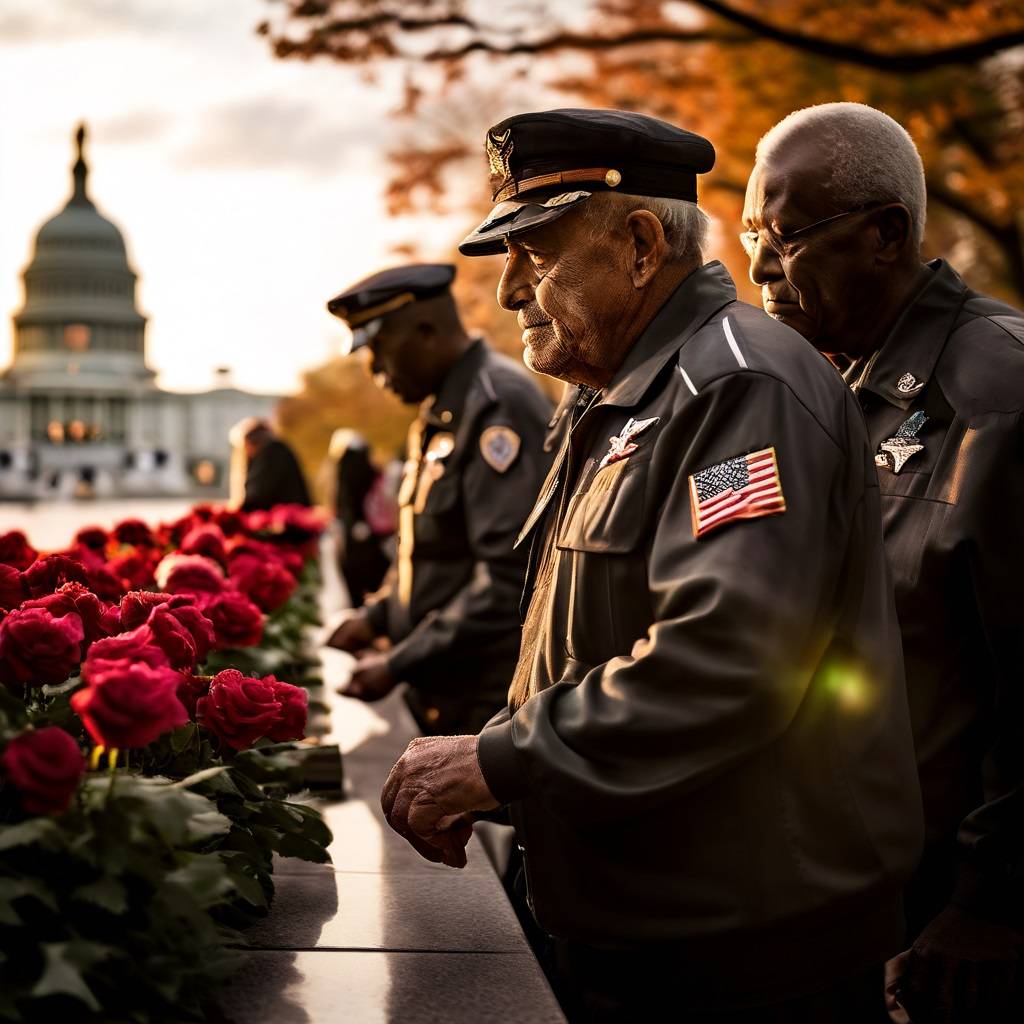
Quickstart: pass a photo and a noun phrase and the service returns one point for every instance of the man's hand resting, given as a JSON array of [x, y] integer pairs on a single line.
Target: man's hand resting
[[430, 794], [354, 633]]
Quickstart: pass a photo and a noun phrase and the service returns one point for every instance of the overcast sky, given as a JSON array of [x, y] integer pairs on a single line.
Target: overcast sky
[[248, 188]]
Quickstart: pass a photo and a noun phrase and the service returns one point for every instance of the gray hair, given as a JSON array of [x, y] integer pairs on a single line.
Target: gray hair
[[685, 224], [871, 157]]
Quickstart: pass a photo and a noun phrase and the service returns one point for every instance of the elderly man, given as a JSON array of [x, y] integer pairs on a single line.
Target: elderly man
[[475, 460], [835, 213], [706, 750]]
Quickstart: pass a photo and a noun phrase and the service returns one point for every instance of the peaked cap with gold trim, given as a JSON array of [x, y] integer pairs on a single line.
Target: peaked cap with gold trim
[[363, 304], [545, 163]]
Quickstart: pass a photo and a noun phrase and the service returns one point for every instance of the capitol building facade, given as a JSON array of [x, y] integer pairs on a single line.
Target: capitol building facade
[[80, 411]]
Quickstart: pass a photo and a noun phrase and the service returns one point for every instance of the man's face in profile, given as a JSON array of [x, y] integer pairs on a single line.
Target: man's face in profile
[[569, 285], [400, 358]]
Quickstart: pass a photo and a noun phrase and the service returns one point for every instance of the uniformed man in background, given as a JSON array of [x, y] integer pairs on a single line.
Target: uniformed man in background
[[475, 461], [835, 216], [706, 749]]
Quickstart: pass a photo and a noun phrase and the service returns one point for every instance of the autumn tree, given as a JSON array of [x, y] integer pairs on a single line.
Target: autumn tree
[[726, 68]]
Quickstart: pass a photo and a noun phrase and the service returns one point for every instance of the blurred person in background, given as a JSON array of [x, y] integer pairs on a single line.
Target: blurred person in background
[[835, 217], [272, 472], [449, 610], [367, 516]]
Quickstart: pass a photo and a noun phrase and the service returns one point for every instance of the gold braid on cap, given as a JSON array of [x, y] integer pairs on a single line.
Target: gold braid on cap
[[608, 175], [372, 312]]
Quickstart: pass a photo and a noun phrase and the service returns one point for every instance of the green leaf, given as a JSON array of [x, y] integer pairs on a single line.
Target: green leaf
[[12, 889], [107, 893], [66, 687], [61, 976], [44, 832], [181, 737], [201, 776], [205, 878], [304, 849]]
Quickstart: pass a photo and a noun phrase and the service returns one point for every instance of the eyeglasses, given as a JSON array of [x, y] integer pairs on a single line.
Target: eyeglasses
[[783, 245]]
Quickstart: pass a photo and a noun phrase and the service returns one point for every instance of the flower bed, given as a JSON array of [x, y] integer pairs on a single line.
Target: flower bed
[[146, 752]]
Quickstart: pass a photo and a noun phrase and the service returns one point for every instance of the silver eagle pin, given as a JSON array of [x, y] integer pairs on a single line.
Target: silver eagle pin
[[903, 445], [621, 446]]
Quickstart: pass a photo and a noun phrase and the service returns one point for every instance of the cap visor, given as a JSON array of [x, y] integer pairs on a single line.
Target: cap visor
[[514, 218]]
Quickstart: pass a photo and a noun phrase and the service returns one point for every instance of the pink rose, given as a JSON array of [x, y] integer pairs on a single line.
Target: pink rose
[[189, 574], [129, 705], [38, 649], [44, 766], [238, 710]]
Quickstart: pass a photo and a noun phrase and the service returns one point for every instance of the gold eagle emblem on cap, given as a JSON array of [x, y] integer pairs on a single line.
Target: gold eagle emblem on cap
[[499, 150]]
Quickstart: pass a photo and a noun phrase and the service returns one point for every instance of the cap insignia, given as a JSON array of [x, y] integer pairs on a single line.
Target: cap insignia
[[499, 150]]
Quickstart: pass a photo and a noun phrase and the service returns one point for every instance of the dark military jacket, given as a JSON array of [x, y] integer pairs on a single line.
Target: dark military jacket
[[274, 477], [943, 400], [450, 605], [713, 746]]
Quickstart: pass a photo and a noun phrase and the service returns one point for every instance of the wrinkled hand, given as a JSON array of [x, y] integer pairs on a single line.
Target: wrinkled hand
[[430, 793], [353, 633], [371, 678], [964, 969]]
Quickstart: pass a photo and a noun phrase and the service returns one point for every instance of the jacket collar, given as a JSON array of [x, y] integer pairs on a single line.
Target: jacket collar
[[446, 408], [696, 299], [901, 369]]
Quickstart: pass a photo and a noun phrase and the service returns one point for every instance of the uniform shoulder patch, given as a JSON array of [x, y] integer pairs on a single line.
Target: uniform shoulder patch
[[499, 447], [743, 487]]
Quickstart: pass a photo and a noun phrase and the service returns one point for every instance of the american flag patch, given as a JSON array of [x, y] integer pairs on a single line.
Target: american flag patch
[[745, 487]]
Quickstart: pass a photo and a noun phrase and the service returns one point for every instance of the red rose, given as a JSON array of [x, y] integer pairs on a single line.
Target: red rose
[[36, 648], [129, 705], [237, 622], [134, 569], [12, 592], [294, 701], [46, 575], [73, 597], [258, 520], [137, 645], [189, 574], [267, 584], [231, 523], [15, 550], [45, 766], [190, 689], [176, 531], [93, 538], [106, 583], [205, 540], [183, 632], [137, 604], [238, 709], [134, 532]]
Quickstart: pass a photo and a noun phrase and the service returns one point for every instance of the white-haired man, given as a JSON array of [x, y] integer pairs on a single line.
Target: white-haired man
[[706, 750], [835, 216]]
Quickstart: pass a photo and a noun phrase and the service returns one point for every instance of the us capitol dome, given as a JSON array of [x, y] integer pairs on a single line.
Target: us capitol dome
[[80, 411]]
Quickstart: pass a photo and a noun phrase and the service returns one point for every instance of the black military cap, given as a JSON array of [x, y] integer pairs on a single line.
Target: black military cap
[[545, 163], [363, 305]]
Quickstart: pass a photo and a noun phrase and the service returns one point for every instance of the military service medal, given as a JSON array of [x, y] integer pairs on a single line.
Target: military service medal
[[894, 452], [621, 445]]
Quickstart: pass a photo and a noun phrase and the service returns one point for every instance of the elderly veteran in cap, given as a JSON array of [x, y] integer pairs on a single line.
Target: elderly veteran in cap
[[706, 750], [835, 216], [475, 460]]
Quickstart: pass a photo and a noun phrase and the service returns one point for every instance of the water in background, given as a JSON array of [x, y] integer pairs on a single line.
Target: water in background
[[51, 525]]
